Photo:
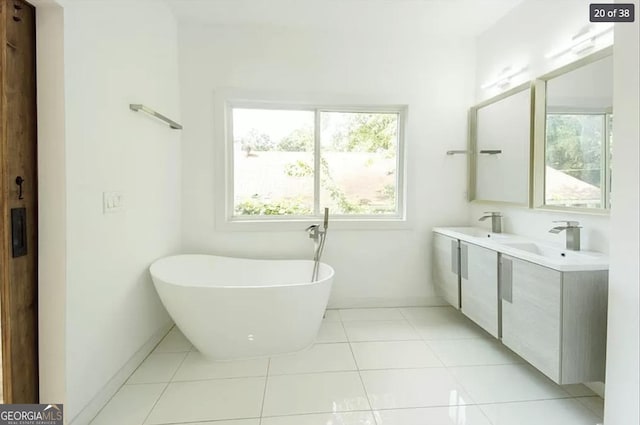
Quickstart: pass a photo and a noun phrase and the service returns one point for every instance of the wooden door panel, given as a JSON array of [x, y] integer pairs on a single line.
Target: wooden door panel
[[19, 158]]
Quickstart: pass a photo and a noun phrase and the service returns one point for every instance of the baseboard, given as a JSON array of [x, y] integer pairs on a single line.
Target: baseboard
[[104, 395], [371, 302], [596, 387]]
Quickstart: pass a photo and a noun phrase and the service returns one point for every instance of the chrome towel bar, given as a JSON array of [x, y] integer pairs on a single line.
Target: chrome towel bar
[[138, 107]]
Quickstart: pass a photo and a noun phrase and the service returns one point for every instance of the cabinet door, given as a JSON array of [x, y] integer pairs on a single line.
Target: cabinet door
[[479, 286], [445, 268], [531, 299]]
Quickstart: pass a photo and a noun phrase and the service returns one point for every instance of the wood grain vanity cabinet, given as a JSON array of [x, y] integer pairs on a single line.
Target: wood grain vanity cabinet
[[555, 320], [466, 276], [479, 286], [446, 267]]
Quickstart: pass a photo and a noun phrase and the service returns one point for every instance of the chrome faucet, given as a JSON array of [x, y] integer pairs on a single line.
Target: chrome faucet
[[573, 233], [319, 237], [496, 220], [314, 232]]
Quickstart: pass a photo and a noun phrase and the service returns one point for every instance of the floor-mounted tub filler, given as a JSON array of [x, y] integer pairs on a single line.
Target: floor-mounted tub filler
[[234, 308]]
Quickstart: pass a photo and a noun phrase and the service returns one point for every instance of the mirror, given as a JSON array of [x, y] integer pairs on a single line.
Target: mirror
[[500, 148], [574, 124]]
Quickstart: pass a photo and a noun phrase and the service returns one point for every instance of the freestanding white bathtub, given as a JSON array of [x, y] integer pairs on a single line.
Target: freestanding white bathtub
[[234, 308]]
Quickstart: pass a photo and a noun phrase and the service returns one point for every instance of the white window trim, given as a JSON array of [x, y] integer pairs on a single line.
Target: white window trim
[[226, 99]]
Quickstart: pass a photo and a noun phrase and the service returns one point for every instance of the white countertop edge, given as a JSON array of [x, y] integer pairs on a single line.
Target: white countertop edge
[[601, 263]]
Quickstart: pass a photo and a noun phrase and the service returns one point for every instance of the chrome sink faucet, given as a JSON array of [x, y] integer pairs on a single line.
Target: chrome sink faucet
[[496, 220], [573, 233]]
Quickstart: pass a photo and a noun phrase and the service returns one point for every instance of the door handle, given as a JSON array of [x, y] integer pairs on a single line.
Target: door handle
[[464, 261], [455, 257], [506, 279], [19, 231]]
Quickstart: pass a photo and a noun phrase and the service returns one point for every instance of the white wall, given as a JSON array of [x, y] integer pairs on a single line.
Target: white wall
[[526, 34], [590, 86], [116, 52], [623, 376], [52, 221], [522, 38], [432, 75]]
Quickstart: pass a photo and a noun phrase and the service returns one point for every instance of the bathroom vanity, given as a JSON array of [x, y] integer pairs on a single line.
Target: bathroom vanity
[[547, 304]]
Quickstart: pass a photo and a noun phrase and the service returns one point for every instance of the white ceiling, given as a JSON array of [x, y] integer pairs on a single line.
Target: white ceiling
[[445, 17]]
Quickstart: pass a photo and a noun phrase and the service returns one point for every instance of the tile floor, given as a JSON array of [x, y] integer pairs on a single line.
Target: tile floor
[[392, 366]]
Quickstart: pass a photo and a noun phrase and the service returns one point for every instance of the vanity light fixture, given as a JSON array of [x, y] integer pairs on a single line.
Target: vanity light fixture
[[583, 41], [504, 78]]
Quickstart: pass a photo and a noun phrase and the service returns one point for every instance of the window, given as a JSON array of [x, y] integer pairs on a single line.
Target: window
[[293, 162], [578, 160]]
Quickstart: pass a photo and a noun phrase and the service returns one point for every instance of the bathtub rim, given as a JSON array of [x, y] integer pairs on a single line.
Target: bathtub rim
[[160, 279]]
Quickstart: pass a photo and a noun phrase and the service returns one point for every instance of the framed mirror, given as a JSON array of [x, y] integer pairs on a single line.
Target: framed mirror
[[500, 148], [574, 135]]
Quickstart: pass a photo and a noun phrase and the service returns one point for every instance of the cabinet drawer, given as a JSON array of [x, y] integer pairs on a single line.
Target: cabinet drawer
[[479, 286], [531, 320], [445, 268]]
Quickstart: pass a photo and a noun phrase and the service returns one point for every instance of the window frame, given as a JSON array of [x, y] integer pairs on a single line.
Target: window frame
[[345, 221], [540, 136]]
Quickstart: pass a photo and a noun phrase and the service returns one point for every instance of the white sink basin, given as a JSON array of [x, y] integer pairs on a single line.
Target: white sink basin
[[534, 248], [545, 251], [551, 252], [476, 232]]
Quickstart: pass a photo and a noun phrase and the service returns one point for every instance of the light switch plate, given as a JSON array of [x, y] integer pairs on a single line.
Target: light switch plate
[[112, 202]]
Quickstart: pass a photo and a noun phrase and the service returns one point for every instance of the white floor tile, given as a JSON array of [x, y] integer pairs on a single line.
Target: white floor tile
[[455, 326], [594, 404], [428, 313], [472, 352], [331, 332], [157, 367], [314, 393], [174, 342], [547, 412], [399, 388], [390, 330], [505, 383], [319, 358], [394, 354], [209, 400], [451, 415], [130, 405], [231, 422], [401, 353], [331, 316], [196, 367], [371, 314], [349, 418]]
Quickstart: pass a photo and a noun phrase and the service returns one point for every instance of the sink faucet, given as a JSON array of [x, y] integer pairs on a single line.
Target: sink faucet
[[496, 220], [573, 233]]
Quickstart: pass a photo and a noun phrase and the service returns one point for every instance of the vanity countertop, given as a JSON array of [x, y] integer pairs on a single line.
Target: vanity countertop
[[528, 249]]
